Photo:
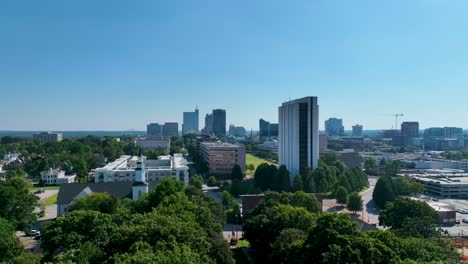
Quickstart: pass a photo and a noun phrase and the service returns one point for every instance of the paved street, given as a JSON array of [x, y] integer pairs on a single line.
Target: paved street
[[46, 194], [370, 213]]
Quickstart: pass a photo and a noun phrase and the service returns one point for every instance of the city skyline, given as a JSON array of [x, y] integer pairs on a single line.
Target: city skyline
[[120, 65]]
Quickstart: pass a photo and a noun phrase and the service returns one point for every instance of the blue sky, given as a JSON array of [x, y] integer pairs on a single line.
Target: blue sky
[[117, 65]]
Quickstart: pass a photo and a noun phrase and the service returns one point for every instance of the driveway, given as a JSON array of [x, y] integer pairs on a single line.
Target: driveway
[[46, 194], [370, 212]]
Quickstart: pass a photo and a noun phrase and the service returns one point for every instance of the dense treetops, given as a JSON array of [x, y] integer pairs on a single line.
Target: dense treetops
[[170, 225]]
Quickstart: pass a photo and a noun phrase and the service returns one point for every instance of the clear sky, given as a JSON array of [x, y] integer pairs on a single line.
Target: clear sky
[[117, 65]]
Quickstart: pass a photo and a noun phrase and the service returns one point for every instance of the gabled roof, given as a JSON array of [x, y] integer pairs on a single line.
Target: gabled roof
[[121, 190]]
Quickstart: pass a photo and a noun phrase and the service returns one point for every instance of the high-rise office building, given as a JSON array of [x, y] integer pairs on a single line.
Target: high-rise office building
[[154, 129], [410, 129], [170, 129], [267, 129], [357, 131], [219, 122], [264, 130], [208, 129], [334, 127], [298, 141], [190, 124]]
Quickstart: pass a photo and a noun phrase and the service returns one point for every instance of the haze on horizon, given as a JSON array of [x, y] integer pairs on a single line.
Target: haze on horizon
[[118, 65]]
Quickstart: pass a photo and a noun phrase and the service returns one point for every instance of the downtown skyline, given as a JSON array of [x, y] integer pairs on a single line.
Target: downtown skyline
[[119, 65]]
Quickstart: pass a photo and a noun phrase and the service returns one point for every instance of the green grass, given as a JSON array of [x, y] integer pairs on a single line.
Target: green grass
[[256, 161], [50, 201], [363, 189]]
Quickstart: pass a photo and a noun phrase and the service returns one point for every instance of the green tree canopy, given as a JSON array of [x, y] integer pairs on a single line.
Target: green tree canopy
[[411, 216], [355, 202], [237, 173], [102, 202], [10, 246], [341, 195], [17, 203]]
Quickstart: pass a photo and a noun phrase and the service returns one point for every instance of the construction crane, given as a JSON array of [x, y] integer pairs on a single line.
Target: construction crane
[[396, 119]]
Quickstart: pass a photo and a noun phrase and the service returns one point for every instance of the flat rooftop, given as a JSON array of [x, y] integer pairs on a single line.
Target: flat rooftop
[[220, 145]]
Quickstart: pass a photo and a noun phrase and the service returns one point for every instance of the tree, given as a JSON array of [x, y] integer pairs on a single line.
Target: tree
[[355, 202], [410, 216], [298, 184], [369, 166], [102, 202], [237, 173], [10, 246], [196, 181], [264, 225], [383, 192], [284, 181], [212, 182], [341, 195], [251, 167], [288, 245], [227, 200], [17, 203]]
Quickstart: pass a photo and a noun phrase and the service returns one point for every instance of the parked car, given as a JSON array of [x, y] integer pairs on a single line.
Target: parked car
[[33, 233], [465, 220]]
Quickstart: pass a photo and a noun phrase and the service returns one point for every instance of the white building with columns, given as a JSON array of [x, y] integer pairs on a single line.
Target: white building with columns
[[125, 169]]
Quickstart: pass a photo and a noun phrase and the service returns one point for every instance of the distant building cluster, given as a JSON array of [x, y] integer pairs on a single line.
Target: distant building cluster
[[237, 131]]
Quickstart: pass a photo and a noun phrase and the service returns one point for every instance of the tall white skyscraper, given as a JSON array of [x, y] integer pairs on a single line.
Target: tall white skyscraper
[[298, 139]]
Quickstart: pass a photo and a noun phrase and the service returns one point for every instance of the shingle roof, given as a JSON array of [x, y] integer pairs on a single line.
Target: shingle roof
[[69, 191]]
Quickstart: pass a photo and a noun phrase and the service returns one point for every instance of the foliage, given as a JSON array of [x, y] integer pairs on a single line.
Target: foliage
[[212, 182], [387, 189], [196, 181], [10, 246], [17, 203], [236, 173], [277, 211], [355, 202], [383, 192], [409, 216], [370, 166], [101, 202], [341, 195]]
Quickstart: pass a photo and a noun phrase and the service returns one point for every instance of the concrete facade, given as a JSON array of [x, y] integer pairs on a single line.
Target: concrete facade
[[221, 157], [298, 141]]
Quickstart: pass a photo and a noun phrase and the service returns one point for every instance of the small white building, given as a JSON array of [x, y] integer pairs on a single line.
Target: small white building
[[10, 157], [56, 177]]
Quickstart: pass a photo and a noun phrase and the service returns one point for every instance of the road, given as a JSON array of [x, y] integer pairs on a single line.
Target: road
[[370, 212]]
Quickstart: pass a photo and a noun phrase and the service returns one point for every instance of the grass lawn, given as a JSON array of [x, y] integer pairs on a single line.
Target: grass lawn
[[51, 200], [256, 161]]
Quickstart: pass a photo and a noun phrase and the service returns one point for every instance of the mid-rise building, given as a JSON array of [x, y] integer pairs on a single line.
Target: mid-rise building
[[154, 129], [219, 122], [154, 143], [357, 131], [237, 131], [124, 169], [221, 157], [410, 129], [170, 129], [48, 137], [323, 141], [444, 138], [56, 177], [190, 125], [298, 141], [334, 127]]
